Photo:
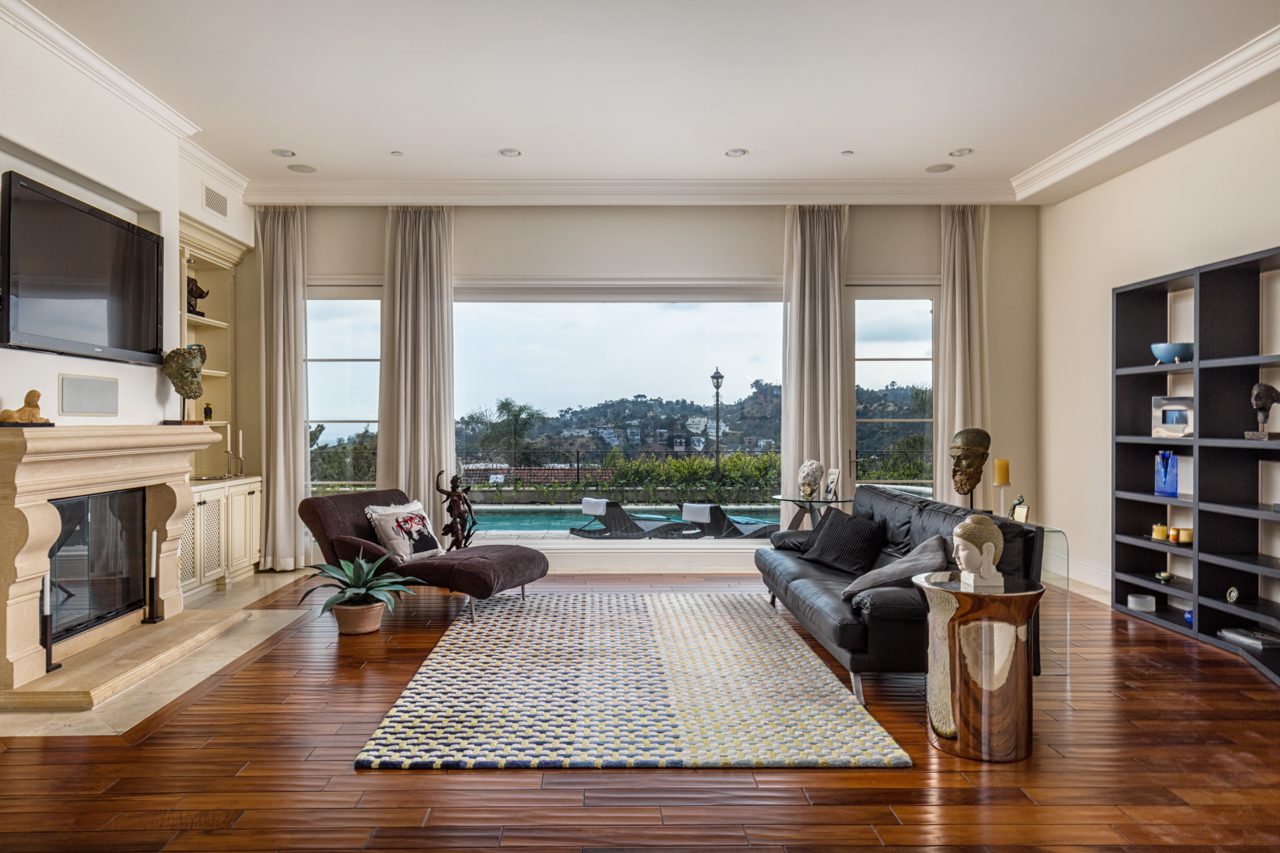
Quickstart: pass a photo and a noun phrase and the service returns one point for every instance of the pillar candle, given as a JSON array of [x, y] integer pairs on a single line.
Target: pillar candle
[[241, 443], [155, 554], [46, 606], [228, 439], [1002, 473]]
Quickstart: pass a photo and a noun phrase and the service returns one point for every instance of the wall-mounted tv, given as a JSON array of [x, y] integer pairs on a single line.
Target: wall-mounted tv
[[75, 279]]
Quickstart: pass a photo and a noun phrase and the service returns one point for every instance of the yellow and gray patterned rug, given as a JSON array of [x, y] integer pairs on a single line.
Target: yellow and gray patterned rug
[[612, 680]]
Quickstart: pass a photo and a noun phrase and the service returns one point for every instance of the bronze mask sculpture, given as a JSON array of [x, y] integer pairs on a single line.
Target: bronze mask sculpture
[[1262, 398], [182, 367], [969, 450]]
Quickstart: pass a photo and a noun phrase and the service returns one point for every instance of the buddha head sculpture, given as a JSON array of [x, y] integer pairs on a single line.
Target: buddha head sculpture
[[182, 367], [969, 450], [979, 545]]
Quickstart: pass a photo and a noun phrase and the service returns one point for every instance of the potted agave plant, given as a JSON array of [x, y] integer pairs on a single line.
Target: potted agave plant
[[363, 593]]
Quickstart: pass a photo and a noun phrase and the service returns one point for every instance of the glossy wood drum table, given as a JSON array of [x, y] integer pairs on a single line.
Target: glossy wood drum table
[[980, 667]]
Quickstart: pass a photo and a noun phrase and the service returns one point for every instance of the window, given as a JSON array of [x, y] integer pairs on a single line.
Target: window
[[560, 400], [893, 334], [343, 350]]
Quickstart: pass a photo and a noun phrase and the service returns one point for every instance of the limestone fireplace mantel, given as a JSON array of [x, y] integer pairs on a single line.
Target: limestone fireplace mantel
[[40, 464]]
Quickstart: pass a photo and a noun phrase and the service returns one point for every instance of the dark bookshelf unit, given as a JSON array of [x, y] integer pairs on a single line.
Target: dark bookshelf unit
[[1224, 504]]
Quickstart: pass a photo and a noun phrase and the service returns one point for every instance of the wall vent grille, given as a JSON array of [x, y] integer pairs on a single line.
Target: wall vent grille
[[215, 201]]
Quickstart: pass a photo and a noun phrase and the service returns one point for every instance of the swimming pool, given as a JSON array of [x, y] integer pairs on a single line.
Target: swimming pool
[[532, 518]]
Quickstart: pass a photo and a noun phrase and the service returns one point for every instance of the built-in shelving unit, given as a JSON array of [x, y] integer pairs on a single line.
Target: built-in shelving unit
[[1231, 312]]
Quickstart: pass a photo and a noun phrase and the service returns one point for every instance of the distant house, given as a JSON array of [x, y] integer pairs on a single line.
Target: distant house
[[699, 443], [660, 435], [633, 435], [678, 442]]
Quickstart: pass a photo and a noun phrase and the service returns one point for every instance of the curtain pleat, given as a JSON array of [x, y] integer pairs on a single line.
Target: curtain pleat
[[962, 351], [415, 433], [281, 243], [813, 339]]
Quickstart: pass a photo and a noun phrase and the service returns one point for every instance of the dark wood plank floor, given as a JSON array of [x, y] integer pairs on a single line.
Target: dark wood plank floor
[[1153, 742]]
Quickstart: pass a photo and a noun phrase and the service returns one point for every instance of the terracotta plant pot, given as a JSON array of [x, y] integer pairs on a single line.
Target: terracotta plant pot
[[358, 618]]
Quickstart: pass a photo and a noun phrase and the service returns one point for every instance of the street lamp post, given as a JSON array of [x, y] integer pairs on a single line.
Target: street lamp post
[[717, 379]]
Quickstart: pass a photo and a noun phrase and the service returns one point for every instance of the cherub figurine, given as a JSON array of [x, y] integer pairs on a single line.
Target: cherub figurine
[[462, 516], [28, 414]]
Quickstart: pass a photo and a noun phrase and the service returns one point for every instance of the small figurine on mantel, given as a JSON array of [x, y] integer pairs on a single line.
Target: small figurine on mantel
[[1262, 398], [461, 525], [194, 294], [28, 415], [979, 545]]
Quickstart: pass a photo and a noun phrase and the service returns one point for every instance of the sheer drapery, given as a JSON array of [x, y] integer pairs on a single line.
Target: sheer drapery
[[813, 386], [281, 243], [962, 338], [415, 432]]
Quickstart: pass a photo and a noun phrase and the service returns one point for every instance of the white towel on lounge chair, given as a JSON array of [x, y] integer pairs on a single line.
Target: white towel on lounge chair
[[594, 506], [697, 513]]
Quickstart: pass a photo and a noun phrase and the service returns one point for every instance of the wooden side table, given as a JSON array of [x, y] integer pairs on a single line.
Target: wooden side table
[[980, 666]]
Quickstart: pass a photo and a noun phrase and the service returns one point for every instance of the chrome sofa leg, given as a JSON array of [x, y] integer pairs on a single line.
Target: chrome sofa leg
[[856, 679], [471, 607]]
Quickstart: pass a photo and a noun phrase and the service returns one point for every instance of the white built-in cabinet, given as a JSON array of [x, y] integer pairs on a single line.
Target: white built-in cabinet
[[222, 535]]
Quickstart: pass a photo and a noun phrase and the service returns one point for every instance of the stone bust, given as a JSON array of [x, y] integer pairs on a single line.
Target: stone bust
[[182, 367], [969, 450], [979, 544]]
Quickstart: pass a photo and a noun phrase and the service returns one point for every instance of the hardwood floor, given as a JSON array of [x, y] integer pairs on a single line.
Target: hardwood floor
[[1153, 742]]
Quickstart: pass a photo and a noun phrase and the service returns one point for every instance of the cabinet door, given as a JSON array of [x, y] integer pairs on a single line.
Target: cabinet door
[[211, 519], [238, 528], [188, 565]]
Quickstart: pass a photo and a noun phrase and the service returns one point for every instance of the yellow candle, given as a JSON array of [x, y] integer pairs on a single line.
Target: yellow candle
[[1002, 473]]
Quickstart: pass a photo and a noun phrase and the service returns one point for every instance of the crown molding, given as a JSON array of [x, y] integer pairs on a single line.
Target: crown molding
[[626, 192], [610, 288], [40, 29], [1247, 64], [211, 245], [212, 167]]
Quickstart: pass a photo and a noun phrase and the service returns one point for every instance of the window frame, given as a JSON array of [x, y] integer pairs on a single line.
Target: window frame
[[852, 294]]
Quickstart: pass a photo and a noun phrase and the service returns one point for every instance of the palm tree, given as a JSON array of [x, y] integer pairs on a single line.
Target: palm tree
[[511, 429]]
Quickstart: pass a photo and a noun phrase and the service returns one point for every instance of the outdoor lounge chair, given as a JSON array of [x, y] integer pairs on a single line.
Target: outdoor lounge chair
[[616, 523], [711, 520]]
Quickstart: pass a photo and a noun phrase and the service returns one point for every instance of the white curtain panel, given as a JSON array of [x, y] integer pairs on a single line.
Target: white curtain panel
[[281, 242], [415, 431], [813, 382], [962, 350]]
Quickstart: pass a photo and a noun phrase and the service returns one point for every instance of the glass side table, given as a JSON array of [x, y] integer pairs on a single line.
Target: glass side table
[[812, 506]]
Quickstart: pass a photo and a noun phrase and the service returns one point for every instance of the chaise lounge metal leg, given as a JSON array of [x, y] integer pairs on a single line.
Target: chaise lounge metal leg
[[856, 679], [471, 607], [773, 600], [522, 595]]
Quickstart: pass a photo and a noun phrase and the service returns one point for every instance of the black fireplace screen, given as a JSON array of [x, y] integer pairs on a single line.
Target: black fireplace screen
[[98, 563]]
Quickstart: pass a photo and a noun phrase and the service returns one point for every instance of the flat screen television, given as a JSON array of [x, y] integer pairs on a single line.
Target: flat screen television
[[75, 279]]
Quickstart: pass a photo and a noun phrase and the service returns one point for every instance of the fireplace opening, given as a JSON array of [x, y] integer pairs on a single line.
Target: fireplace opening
[[98, 563]]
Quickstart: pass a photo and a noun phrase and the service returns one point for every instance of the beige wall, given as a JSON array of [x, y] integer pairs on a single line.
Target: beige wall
[[1209, 200]]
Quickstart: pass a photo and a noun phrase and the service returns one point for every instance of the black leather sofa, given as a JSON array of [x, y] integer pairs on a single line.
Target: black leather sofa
[[884, 630]]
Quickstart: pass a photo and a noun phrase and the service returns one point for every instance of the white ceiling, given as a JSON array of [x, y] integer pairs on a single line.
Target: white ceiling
[[657, 89]]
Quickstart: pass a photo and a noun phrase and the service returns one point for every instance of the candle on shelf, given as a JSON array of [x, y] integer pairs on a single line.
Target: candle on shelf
[[241, 443], [228, 438], [1002, 473], [155, 554], [46, 607]]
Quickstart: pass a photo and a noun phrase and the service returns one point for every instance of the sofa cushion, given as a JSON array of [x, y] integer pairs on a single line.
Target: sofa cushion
[[896, 510], [929, 556], [790, 540], [937, 519], [812, 593], [848, 543]]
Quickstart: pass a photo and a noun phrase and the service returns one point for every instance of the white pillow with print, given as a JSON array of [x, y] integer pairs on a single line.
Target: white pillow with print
[[404, 530]]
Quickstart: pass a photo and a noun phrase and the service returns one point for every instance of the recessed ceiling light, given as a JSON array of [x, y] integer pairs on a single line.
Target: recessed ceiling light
[[397, 153], [960, 152], [936, 167], [737, 152], [848, 152], [510, 152], [283, 152], [300, 167]]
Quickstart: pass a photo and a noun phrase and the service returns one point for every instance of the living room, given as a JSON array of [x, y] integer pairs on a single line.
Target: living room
[[586, 426]]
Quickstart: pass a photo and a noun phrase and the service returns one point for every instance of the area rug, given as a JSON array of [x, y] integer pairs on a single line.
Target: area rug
[[612, 680]]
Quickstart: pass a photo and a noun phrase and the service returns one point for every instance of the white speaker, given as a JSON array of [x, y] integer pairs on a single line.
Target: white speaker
[[90, 396]]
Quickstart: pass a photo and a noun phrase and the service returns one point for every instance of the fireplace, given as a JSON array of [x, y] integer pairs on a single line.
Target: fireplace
[[97, 565]]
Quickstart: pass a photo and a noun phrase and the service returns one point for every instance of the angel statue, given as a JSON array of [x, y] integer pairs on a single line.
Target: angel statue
[[461, 525]]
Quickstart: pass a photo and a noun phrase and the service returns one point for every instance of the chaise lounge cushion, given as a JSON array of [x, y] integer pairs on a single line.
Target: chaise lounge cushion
[[481, 570]]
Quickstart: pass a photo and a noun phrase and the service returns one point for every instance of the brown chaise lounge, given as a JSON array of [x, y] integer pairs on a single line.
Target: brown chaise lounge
[[341, 530]]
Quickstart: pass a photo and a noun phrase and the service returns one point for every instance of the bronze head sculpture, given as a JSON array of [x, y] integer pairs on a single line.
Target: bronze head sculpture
[[969, 450], [182, 367], [1262, 398]]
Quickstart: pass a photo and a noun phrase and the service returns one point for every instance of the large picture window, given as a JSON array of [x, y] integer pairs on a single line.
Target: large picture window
[[343, 351], [893, 335]]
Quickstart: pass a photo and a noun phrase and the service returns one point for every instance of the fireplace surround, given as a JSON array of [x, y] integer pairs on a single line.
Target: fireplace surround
[[42, 466]]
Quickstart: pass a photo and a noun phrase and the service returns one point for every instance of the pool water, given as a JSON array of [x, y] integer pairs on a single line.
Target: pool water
[[533, 519]]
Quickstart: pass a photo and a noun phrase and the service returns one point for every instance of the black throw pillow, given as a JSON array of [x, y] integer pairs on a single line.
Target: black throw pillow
[[929, 556], [846, 543], [791, 540]]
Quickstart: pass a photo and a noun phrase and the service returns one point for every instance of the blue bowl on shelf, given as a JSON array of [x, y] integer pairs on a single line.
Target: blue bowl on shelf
[[1173, 353]]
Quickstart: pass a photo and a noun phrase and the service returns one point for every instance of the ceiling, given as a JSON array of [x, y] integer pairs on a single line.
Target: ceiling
[[597, 90]]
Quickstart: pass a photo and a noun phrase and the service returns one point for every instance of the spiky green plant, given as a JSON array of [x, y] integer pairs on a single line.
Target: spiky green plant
[[359, 582]]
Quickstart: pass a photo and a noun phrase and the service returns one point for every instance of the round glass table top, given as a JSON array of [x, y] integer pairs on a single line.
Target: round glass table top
[[950, 582], [798, 499]]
